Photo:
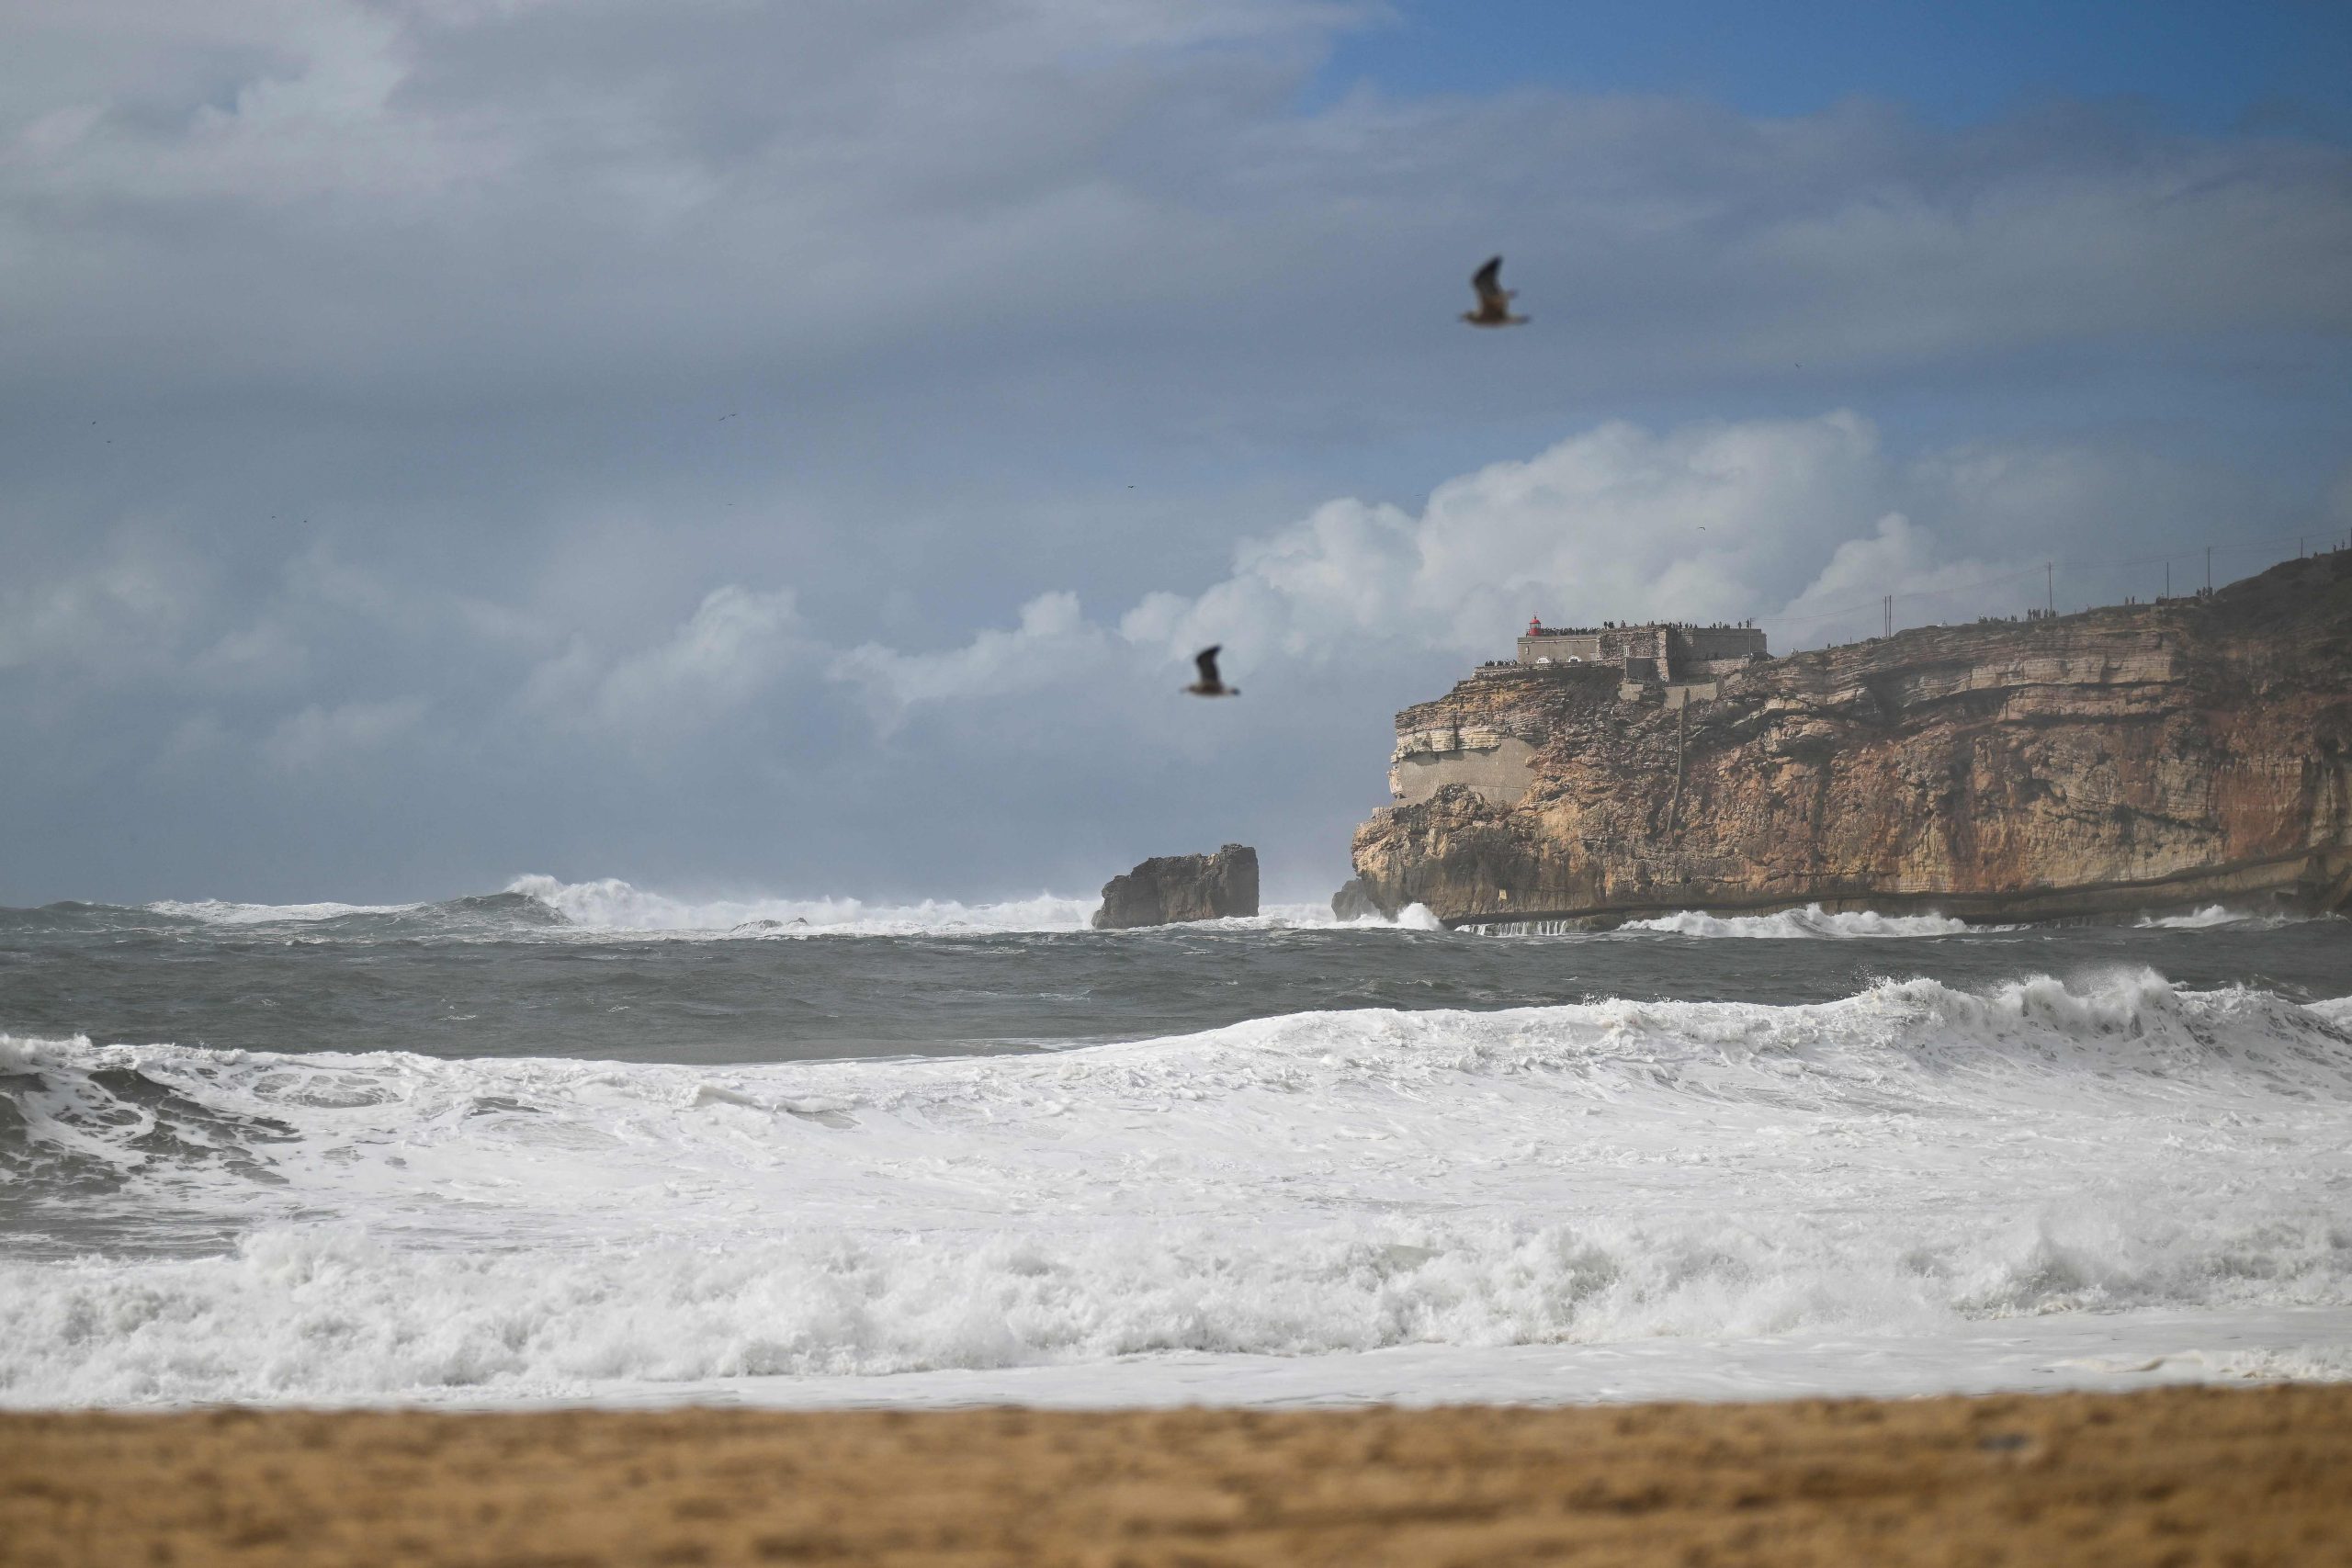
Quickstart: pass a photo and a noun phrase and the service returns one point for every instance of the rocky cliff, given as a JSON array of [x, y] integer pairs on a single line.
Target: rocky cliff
[[2127, 759]]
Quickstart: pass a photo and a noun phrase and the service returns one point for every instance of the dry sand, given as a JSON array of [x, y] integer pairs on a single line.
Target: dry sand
[[2168, 1476]]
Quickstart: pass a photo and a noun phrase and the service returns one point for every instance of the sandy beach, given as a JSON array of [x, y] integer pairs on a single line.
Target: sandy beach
[[2175, 1476]]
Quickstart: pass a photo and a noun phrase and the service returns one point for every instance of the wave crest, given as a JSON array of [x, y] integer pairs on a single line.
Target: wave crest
[[2214, 917], [612, 905], [1812, 921], [2129, 1040]]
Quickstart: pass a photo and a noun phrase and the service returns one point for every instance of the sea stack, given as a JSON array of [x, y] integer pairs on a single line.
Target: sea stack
[[1168, 889]]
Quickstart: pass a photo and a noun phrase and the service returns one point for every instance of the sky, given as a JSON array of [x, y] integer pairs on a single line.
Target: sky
[[795, 449]]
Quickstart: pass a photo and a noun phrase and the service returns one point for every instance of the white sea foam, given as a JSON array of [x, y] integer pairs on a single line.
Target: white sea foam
[[1811, 920], [612, 905], [2217, 915], [326, 1311], [1909, 1159], [220, 912]]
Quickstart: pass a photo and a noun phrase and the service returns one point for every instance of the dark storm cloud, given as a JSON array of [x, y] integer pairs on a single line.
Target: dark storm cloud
[[695, 441]]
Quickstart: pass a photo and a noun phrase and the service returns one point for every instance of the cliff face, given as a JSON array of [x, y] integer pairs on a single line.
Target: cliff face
[[2124, 759]]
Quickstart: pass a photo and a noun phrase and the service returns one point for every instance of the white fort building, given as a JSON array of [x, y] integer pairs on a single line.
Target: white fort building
[[1665, 661], [1658, 651]]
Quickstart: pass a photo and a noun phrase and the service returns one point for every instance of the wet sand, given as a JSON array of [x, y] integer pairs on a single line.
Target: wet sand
[[2173, 1476]]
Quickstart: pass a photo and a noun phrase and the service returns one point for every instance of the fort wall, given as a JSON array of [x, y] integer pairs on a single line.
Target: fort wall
[[1658, 651]]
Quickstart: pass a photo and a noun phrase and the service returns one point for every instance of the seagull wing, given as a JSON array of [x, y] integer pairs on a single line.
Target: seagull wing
[[1489, 281], [1206, 659]]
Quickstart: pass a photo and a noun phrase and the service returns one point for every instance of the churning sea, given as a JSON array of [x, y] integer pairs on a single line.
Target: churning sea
[[581, 1142]]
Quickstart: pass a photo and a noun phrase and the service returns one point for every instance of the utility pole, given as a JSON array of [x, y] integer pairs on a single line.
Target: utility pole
[[2208, 569], [2050, 583], [1890, 615], [2168, 580]]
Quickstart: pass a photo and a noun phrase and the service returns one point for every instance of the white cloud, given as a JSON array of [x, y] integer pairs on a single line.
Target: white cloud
[[263, 654], [729, 653], [256, 101], [1617, 522], [1053, 643], [1066, 729], [123, 615], [1805, 525], [319, 736], [1846, 600], [576, 195], [1021, 302]]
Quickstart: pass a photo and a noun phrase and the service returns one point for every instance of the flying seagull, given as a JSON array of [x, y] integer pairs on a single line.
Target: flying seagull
[[1211, 684], [1494, 300]]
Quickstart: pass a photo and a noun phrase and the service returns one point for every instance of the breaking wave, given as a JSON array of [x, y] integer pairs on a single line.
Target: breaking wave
[[543, 905], [329, 1313], [1811, 920], [612, 905], [2216, 916], [225, 912], [1911, 1155]]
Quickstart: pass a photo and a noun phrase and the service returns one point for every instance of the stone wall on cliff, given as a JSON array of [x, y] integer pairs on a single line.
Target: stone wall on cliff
[[2129, 757]]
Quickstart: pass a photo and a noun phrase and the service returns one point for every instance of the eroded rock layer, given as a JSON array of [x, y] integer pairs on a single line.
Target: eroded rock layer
[[2137, 757], [1168, 889]]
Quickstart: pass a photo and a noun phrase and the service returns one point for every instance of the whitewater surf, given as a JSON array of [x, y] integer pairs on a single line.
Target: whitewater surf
[[534, 1146]]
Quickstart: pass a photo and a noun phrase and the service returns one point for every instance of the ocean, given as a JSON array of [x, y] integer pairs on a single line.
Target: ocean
[[579, 1142]]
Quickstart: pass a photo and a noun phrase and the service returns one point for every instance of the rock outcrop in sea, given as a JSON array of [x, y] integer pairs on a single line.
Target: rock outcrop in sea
[[2132, 757], [1168, 889], [1354, 901]]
